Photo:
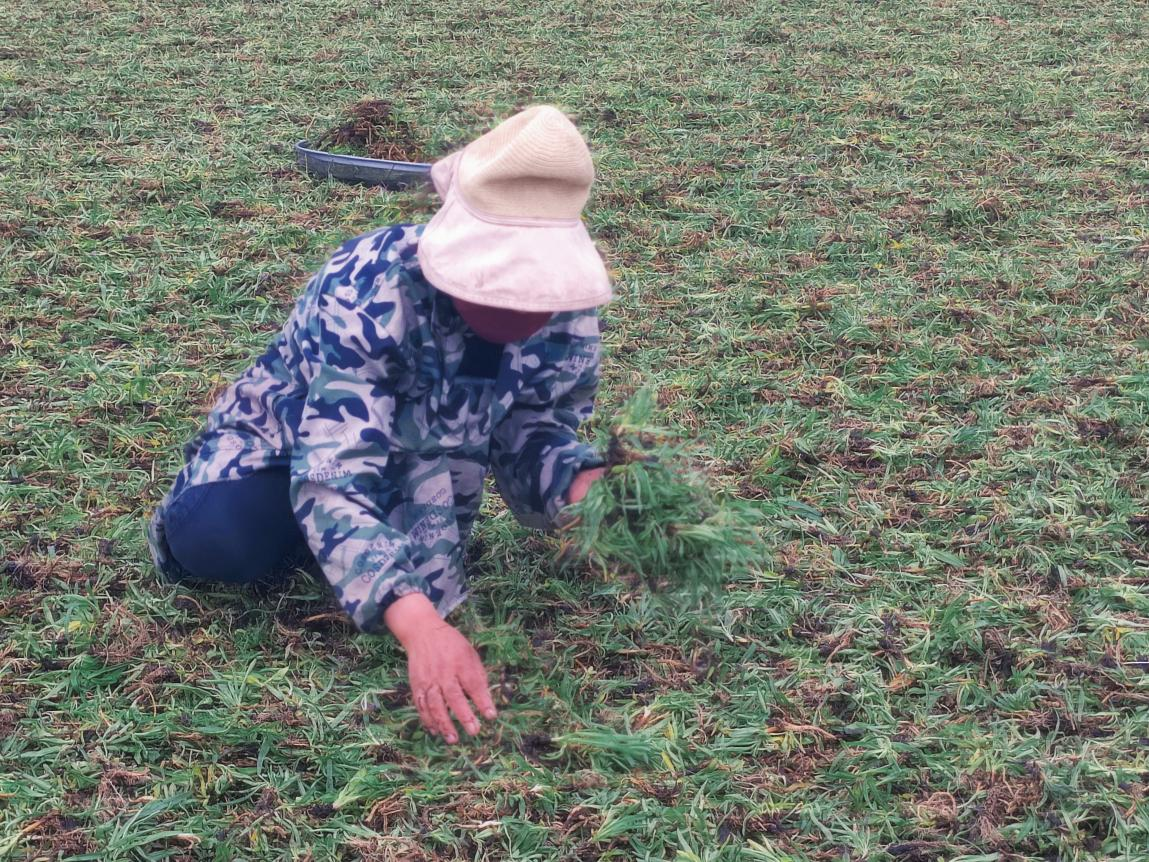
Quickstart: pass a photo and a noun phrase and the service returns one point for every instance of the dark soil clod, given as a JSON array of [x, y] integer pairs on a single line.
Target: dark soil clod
[[918, 851], [534, 745], [372, 128], [384, 753], [20, 574], [321, 810], [232, 209]]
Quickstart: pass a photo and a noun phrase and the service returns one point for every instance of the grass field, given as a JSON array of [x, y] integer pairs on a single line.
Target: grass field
[[886, 262]]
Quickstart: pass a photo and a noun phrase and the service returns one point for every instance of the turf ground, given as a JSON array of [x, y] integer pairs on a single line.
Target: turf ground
[[886, 262]]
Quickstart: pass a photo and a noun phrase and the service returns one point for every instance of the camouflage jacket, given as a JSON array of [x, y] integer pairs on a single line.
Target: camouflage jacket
[[389, 411]]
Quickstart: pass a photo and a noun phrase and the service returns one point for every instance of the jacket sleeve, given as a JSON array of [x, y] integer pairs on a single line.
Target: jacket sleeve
[[339, 463], [535, 450]]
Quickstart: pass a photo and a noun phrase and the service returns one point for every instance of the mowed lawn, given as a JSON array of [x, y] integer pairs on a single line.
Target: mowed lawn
[[885, 263]]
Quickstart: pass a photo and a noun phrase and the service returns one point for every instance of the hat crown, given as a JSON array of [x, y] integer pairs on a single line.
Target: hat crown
[[508, 234], [534, 165]]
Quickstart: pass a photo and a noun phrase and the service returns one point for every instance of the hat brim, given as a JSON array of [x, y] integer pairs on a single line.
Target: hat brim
[[521, 264]]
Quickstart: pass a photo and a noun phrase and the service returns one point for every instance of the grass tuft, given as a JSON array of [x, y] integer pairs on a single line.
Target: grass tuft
[[655, 517]]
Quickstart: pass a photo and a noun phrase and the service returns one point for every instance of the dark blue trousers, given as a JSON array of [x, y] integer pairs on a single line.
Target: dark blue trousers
[[241, 531]]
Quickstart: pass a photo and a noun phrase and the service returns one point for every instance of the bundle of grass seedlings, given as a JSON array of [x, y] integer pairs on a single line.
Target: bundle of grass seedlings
[[656, 518]]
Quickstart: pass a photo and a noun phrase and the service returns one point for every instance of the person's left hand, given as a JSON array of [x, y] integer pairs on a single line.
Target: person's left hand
[[582, 482]]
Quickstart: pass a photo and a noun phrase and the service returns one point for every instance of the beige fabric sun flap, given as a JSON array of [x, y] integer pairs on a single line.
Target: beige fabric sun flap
[[509, 232]]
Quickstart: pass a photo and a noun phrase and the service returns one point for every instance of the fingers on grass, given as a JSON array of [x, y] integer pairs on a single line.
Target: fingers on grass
[[439, 716], [457, 701], [424, 714], [474, 682]]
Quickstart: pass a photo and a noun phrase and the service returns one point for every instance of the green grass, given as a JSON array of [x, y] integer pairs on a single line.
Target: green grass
[[885, 262], [653, 519]]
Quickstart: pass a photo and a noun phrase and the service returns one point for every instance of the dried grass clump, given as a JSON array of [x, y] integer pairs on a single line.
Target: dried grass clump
[[375, 129]]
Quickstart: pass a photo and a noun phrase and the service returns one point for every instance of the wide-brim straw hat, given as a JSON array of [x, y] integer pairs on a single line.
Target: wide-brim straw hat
[[510, 233]]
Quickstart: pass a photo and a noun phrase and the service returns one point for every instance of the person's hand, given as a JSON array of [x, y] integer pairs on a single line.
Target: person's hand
[[443, 668], [582, 483]]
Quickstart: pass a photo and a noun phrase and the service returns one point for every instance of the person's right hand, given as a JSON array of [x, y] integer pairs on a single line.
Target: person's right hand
[[443, 669]]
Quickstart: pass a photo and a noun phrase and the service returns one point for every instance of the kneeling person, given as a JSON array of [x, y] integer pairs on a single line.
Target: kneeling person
[[416, 360]]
